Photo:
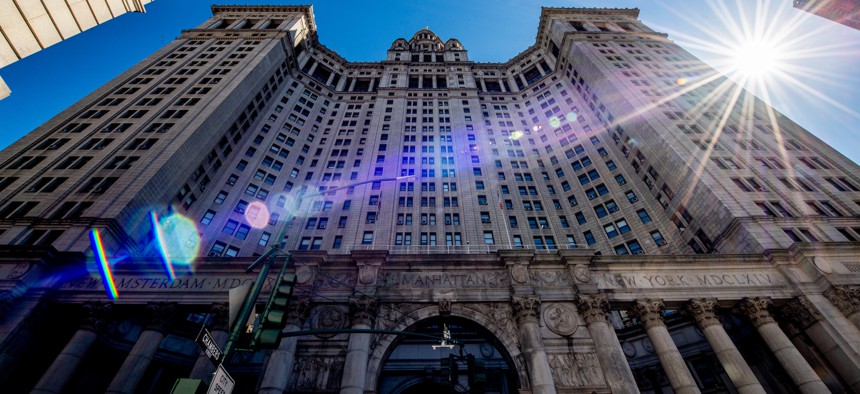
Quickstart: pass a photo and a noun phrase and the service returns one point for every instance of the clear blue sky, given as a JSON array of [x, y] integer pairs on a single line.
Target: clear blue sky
[[827, 60]]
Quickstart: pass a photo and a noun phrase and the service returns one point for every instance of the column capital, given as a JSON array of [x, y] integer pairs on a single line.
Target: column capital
[[650, 312], [159, 315], [756, 309], [299, 310], [593, 307], [526, 308], [801, 311], [704, 311], [362, 310], [846, 298], [95, 315]]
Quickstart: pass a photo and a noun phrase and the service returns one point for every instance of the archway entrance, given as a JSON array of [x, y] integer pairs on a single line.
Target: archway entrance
[[478, 364]]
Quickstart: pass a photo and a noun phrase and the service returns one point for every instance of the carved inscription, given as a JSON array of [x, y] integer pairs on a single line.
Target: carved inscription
[[650, 281], [444, 279]]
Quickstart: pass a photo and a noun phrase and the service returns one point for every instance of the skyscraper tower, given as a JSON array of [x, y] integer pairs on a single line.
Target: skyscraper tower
[[602, 176]]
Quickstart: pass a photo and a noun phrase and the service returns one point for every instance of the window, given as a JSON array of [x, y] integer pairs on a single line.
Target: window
[[488, 238], [643, 214], [589, 238], [264, 239], [230, 227], [243, 231], [207, 217], [367, 238], [658, 238]]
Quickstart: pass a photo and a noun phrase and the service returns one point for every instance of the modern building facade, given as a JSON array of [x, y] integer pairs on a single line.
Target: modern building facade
[[846, 12], [30, 26], [601, 213]]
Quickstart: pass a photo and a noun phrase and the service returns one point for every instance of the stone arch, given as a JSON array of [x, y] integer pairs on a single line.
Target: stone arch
[[508, 340]]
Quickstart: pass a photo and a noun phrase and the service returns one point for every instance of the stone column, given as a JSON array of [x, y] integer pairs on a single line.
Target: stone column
[[135, 365], [618, 375], [280, 364], [313, 68], [842, 356], [798, 369], [704, 312], [362, 310], [482, 84], [54, 380], [650, 313], [847, 299], [540, 374], [220, 330], [512, 83]]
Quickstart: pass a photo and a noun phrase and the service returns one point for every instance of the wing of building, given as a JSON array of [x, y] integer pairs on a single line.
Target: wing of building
[[601, 213]]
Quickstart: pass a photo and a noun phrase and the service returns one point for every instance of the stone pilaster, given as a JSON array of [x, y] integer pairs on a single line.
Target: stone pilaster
[[704, 311], [618, 375], [280, 364], [159, 317], [220, 330], [67, 362], [809, 319], [801, 373], [362, 310], [650, 314], [526, 310]]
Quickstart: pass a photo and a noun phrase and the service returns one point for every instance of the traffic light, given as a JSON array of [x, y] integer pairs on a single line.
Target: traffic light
[[274, 318], [450, 370]]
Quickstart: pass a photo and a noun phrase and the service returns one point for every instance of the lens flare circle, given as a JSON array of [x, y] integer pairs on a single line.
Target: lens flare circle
[[554, 121], [103, 264], [179, 239], [257, 214], [516, 135], [570, 116]]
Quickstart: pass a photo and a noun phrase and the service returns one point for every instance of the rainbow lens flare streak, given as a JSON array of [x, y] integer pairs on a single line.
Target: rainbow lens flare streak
[[103, 264], [162, 247]]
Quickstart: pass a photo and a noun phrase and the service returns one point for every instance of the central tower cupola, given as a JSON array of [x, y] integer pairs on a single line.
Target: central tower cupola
[[425, 46]]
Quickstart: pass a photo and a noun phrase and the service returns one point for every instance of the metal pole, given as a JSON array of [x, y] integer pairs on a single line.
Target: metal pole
[[269, 257]]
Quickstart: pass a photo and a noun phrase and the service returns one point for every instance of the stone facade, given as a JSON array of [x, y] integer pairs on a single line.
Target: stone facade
[[579, 220]]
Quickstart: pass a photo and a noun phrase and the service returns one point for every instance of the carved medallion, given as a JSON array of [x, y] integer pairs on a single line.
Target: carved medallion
[[367, 274], [646, 343], [560, 319], [519, 273], [629, 349], [581, 273], [304, 274], [487, 350], [328, 317], [20, 270]]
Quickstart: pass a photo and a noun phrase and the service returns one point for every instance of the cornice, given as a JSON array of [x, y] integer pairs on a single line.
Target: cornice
[[307, 10]]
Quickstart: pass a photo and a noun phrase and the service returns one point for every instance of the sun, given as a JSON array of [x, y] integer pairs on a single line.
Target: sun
[[756, 58]]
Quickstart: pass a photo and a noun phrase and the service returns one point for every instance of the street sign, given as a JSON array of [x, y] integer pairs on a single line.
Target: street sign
[[222, 383], [207, 343]]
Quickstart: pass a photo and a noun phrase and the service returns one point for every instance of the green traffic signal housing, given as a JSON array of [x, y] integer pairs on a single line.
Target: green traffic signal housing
[[274, 318]]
